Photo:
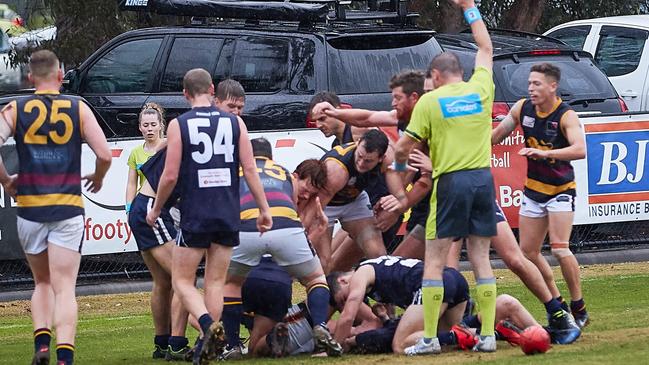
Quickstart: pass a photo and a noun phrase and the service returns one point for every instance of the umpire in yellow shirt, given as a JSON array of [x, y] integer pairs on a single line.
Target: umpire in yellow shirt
[[455, 120]]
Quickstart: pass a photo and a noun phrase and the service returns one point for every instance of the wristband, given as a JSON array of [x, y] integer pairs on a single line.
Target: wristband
[[472, 15], [128, 208], [399, 166]]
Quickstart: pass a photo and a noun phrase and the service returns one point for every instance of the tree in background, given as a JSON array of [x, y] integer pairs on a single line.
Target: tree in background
[[524, 15]]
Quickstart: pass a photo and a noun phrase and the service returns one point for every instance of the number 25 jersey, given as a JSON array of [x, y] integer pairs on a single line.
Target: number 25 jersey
[[48, 142], [209, 172]]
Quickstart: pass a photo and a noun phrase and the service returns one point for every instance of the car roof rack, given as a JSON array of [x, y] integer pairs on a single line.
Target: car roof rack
[[521, 34], [306, 12]]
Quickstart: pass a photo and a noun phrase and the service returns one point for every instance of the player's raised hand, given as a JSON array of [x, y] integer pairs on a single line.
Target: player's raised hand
[[464, 4], [533, 153]]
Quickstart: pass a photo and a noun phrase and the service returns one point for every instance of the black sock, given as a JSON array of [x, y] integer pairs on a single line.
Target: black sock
[[232, 312], [577, 305], [205, 321], [564, 305], [177, 343], [552, 306], [161, 341], [42, 337], [65, 353]]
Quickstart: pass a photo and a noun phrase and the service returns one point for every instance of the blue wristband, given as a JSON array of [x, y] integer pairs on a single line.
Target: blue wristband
[[472, 15], [399, 166], [128, 208]]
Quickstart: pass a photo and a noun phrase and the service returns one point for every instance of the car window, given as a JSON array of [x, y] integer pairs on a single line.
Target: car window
[[186, 54], [261, 64], [574, 36], [579, 79], [365, 64], [619, 49], [126, 68]]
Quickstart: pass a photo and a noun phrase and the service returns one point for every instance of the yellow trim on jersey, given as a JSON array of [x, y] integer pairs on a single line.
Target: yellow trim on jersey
[[548, 189], [339, 162], [274, 211], [40, 92], [540, 114], [45, 200]]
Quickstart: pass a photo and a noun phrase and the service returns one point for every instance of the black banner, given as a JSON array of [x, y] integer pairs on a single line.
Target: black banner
[[9, 244]]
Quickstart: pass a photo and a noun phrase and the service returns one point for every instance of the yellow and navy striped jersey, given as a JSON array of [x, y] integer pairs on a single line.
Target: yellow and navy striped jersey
[[278, 188], [546, 178], [48, 143], [357, 182]]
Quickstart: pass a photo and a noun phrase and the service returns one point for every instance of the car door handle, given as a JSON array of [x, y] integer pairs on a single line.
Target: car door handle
[[629, 94], [127, 118]]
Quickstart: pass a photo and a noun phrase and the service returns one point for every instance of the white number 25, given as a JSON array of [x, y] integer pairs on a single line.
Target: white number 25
[[222, 143]]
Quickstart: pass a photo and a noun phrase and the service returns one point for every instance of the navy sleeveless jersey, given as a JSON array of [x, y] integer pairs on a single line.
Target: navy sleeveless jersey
[[152, 171], [546, 178], [278, 188], [209, 172], [48, 143], [396, 280], [347, 137], [357, 182]]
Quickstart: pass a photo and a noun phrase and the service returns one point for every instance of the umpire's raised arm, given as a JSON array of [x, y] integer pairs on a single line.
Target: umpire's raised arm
[[484, 57]]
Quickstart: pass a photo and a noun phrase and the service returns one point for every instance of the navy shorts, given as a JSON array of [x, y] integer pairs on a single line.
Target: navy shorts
[[500, 215], [205, 239], [266, 298], [465, 204], [456, 288], [148, 237]]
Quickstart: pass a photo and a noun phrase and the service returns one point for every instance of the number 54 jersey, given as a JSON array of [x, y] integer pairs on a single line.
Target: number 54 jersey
[[209, 171], [48, 143]]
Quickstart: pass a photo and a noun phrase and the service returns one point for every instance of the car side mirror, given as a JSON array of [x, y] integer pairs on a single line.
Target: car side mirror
[[70, 80]]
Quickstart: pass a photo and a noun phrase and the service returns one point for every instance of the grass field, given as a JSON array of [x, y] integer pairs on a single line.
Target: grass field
[[117, 329]]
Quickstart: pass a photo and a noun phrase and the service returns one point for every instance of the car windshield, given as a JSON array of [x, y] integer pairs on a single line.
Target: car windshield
[[365, 64], [580, 80]]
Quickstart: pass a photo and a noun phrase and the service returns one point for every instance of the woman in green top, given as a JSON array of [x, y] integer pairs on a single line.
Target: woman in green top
[[155, 243]]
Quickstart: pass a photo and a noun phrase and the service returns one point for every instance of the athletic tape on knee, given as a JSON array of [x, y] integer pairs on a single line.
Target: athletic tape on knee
[[560, 249]]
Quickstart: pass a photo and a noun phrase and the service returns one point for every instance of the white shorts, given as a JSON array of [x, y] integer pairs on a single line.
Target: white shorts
[[360, 208], [300, 333], [560, 203], [34, 236], [289, 246]]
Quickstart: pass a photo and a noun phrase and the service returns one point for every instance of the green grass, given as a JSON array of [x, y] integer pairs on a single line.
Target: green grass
[[117, 329]]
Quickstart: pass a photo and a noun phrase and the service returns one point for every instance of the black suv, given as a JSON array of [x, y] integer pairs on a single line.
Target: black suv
[[280, 63], [582, 85]]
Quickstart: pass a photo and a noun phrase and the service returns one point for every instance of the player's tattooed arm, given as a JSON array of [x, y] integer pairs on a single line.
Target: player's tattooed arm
[[507, 125]]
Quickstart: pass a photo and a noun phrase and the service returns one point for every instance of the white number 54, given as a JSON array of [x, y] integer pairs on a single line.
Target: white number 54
[[222, 143]]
